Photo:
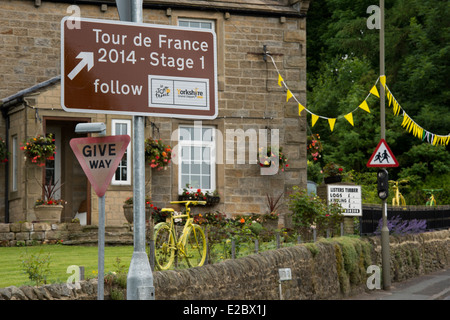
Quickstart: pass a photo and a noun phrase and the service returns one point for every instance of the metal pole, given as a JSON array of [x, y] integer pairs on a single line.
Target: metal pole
[[385, 251], [140, 277], [101, 248]]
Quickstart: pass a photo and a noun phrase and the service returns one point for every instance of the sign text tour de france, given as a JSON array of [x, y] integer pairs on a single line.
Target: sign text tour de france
[[138, 69]]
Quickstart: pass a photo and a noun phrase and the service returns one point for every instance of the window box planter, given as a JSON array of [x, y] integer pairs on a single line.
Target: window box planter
[[210, 200]]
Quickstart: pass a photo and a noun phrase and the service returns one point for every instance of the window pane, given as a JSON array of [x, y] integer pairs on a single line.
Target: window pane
[[183, 23], [195, 168], [206, 25], [195, 24], [206, 183], [184, 180], [206, 168]]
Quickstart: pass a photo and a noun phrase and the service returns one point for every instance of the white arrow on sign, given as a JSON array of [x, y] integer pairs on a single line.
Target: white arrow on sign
[[87, 58]]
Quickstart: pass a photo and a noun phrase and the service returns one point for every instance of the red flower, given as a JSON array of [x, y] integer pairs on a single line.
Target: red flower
[[340, 169], [199, 190]]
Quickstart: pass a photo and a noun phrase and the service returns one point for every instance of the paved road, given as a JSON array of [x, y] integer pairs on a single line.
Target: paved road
[[433, 286]]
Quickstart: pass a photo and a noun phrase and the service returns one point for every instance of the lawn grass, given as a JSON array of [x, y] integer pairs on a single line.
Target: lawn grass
[[12, 273]]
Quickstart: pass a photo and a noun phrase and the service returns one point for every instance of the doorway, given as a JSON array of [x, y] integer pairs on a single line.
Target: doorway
[[65, 173]]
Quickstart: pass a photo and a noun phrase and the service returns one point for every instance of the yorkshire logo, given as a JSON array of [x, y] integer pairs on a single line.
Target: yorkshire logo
[[175, 92], [195, 93]]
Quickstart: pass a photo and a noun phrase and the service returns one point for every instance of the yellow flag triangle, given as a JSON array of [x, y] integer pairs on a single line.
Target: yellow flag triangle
[[300, 109], [289, 95], [365, 106], [349, 118], [332, 121], [280, 80], [383, 81], [374, 91], [314, 119]]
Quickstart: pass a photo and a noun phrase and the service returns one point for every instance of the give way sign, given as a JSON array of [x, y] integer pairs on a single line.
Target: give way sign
[[99, 158]]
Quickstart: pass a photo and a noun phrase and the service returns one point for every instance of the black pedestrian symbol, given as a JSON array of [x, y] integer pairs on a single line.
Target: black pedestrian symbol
[[381, 157]]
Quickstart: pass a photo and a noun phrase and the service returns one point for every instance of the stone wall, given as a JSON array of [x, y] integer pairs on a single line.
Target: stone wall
[[328, 269]]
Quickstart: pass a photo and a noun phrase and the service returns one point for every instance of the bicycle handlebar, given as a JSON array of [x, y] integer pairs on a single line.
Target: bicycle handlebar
[[189, 202]]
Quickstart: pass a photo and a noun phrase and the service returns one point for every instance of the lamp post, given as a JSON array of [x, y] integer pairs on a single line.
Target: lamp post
[[385, 251]]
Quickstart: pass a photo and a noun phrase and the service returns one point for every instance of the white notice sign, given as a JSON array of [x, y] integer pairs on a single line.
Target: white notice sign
[[348, 196]]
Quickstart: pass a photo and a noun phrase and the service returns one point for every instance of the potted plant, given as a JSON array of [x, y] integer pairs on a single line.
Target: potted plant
[[128, 209], [332, 173], [3, 151], [266, 159], [157, 154], [39, 149], [47, 208], [270, 220], [190, 193]]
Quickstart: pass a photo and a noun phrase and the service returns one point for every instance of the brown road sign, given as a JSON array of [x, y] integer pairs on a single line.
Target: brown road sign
[[128, 68], [99, 158]]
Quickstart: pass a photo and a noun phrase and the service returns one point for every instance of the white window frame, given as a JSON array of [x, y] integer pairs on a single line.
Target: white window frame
[[213, 22], [126, 182], [198, 143]]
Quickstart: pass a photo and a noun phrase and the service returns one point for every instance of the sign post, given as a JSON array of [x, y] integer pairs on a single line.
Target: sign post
[[99, 158], [140, 277]]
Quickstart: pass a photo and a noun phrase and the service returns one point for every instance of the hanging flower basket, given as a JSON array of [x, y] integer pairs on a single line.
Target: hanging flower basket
[[39, 149], [266, 160], [157, 154]]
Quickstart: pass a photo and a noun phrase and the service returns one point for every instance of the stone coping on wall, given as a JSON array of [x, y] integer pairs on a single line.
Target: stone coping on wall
[[35, 233]]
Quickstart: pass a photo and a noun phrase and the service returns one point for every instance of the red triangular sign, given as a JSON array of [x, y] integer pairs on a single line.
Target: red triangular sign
[[382, 157], [99, 157]]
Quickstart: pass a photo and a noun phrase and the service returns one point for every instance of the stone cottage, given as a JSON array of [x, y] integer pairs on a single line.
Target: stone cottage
[[217, 155]]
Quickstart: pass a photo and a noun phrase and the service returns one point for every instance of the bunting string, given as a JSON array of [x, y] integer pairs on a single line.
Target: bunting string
[[410, 125]]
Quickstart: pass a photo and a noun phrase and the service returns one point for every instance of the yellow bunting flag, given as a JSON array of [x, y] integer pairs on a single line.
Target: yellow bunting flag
[[374, 91], [300, 109], [383, 81], [365, 106], [289, 95], [314, 119], [349, 118], [332, 121], [280, 80]]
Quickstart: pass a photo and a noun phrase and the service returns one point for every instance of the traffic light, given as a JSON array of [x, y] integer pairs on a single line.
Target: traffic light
[[383, 184]]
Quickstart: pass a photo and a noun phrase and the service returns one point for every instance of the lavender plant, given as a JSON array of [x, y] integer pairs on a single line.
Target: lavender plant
[[397, 226]]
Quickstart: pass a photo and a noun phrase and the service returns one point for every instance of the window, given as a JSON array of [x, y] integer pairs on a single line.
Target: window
[[15, 158], [123, 172], [196, 23], [196, 162]]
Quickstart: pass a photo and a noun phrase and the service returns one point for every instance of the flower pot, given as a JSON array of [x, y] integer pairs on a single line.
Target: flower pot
[[332, 179], [128, 213], [48, 213]]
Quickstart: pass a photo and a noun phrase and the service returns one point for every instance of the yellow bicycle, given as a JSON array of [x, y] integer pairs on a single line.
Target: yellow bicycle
[[398, 199], [432, 200], [190, 246]]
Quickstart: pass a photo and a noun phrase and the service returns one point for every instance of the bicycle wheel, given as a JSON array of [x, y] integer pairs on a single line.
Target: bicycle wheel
[[194, 247], [164, 246]]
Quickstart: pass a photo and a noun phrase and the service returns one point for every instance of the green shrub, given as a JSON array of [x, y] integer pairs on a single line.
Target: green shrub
[[37, 267]]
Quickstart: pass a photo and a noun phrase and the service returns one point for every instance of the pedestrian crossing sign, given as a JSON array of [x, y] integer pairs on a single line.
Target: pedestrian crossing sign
[[382, 157]]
